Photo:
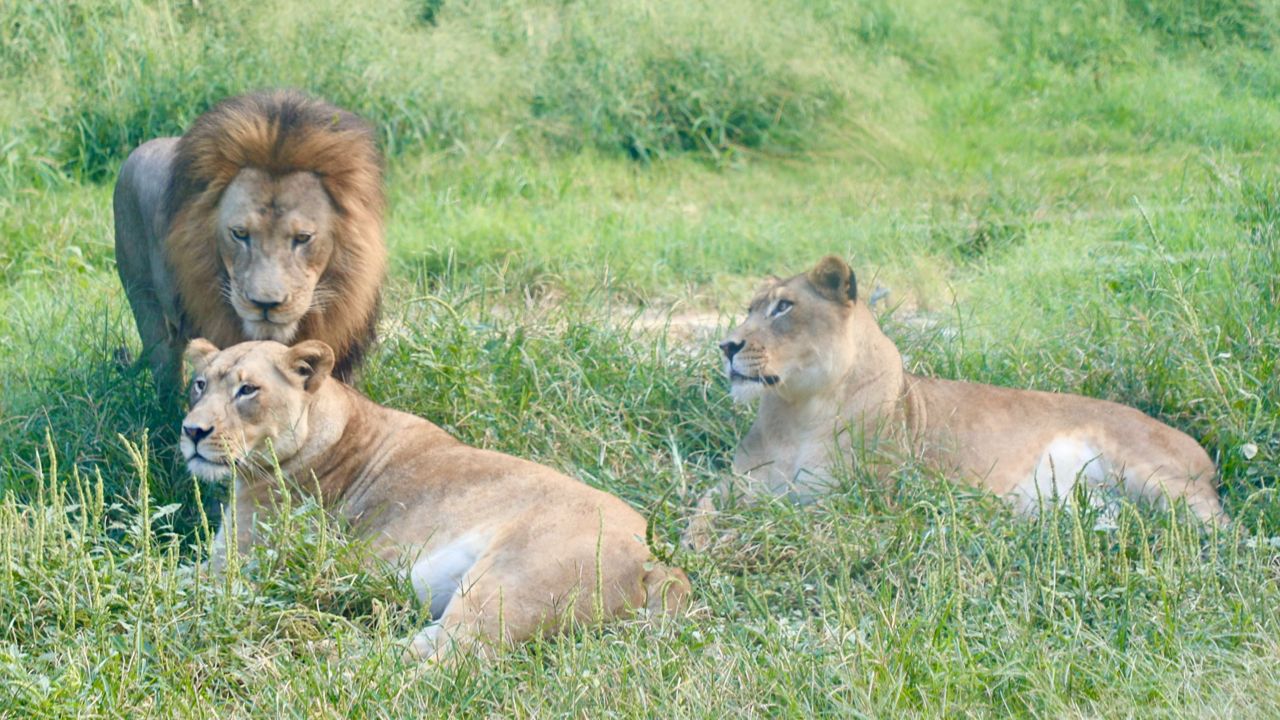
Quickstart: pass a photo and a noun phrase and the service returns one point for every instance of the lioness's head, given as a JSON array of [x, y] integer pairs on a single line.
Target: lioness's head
[[275, 238], [796, 339], [249, 401]]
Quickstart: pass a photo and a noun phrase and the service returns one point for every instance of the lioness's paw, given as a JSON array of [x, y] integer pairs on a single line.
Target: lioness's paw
[[421, 648]]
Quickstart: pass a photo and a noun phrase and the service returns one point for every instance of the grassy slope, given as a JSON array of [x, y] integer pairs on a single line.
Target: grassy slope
[[1079, 199]]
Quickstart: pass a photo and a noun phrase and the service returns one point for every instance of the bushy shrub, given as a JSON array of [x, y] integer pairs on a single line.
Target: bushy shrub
[[701, 76], [929, 37], [1210, 22], [1092, 35]]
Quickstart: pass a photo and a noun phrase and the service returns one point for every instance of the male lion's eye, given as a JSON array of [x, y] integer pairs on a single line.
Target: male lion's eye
[[302, 238], [246, 391], [240, 234], [781, 308]]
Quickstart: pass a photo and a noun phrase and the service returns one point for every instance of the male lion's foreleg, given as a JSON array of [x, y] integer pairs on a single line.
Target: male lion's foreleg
[[162, 345], [166, 368]]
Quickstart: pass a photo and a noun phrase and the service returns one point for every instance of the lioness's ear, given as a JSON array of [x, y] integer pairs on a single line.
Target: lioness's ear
[[199, 352], [834, 280], [312, 360]]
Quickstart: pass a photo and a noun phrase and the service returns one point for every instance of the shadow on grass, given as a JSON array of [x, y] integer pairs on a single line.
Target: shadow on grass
[[81, 397]]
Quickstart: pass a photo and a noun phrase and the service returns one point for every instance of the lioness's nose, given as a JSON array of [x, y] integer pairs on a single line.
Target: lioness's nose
[[730, 348], [196, 433]]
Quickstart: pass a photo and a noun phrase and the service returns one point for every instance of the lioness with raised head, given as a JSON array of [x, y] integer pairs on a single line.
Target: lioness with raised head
[[825, 374], [502, 548], [262, 222]]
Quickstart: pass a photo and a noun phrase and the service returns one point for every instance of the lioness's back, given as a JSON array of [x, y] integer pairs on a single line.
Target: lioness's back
[[1032, 415]]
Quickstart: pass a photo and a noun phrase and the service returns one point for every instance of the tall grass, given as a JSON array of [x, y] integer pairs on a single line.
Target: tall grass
[[914, 598]]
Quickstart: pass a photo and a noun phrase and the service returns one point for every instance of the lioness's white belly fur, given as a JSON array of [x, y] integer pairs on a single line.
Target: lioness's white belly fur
[[1064, 463], [439, 576]]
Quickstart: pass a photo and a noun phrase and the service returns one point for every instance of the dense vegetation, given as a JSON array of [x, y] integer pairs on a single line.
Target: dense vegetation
[[1071, 196]]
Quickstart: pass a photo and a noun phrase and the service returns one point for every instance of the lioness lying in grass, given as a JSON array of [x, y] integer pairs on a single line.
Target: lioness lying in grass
[[824, 373], [502, 548]]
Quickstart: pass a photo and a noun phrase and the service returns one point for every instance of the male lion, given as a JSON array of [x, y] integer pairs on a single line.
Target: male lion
[[262, 222], [501, 548], [824, 372]]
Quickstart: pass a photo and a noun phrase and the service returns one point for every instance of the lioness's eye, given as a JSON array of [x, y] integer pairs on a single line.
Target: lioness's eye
[[247, 390], [198, 385], [302, 238], [781, 308], [240, 234]]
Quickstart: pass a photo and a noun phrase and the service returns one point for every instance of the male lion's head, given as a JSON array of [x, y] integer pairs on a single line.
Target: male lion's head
[[249, 403], [795, 340], [275, 206], [275, 238]]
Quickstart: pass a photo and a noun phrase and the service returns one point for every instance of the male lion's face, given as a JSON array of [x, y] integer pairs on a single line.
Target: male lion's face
[[796, 339], [248, 402], [275, 238]]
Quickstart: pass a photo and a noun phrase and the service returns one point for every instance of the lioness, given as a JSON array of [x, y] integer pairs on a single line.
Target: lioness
[[262, 222], [501, 548], [824, 372]]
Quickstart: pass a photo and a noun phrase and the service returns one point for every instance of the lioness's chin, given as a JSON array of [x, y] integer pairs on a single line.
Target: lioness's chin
[[745, 391], [208, 470], [280, 332]]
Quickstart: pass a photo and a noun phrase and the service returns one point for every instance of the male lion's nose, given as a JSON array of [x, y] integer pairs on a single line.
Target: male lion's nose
[[196, 433], [266, 305], [730, 348]]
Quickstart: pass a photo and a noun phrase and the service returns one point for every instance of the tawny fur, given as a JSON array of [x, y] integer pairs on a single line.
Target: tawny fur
[[504, 549], [167, 203], [829, 381]]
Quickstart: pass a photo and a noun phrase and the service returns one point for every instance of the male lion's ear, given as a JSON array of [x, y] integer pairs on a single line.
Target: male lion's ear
[[312, 360], [834, 280], [199, 352]]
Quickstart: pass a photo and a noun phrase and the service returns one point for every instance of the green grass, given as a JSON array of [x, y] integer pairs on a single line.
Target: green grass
[[1078, 197]]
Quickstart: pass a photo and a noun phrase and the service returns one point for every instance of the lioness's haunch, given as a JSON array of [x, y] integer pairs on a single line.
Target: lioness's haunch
[[262, 222], [496, 544], [823, 370]]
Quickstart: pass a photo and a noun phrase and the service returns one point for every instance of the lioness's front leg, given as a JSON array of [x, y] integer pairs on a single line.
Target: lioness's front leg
[[698, 534]]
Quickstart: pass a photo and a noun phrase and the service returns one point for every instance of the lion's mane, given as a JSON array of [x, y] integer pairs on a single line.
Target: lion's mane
[[281, 132]]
